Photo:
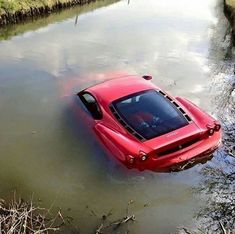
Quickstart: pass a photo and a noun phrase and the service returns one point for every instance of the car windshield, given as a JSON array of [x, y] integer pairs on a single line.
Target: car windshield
[[149, 113]]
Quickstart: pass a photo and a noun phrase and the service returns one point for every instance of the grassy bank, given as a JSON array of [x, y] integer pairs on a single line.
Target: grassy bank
[[14, 11], [12, 30], [13, 6]]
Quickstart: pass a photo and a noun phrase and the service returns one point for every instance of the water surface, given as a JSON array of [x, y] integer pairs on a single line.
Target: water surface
[[42, 150]]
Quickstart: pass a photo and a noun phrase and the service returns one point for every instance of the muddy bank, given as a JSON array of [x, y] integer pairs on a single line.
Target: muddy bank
[[18, 11]]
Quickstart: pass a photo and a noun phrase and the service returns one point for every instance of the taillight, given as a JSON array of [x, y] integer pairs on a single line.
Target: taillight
[[210, 129], [143, 156], [217, 126], [130, 159]]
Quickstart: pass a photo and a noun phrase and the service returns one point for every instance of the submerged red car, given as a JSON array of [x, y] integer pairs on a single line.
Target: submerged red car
[[146, 128]]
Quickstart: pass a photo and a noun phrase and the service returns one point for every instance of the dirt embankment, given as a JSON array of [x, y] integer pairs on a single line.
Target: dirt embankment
[[229, 11], [18, 10]]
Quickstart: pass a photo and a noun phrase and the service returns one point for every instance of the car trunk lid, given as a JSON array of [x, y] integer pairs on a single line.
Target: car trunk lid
[[175, 140]]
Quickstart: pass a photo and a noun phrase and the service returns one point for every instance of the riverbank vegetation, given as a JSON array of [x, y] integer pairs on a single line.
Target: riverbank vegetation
[[11, 30], [12, 6], [19, 216], [14, 11]]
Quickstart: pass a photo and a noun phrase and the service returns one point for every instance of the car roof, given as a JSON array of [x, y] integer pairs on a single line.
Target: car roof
[[114, 89]]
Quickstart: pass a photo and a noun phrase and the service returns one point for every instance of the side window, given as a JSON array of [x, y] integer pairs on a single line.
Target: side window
[[92, 105]]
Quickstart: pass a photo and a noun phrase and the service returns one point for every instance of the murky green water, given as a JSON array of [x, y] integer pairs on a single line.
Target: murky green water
[[43, 154]]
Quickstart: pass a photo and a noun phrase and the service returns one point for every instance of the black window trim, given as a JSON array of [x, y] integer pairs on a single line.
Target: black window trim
[[159, 92], [113, 105], [124, 124], [80, 95]]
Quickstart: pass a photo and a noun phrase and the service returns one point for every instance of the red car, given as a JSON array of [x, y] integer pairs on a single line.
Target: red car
[[146, 128]]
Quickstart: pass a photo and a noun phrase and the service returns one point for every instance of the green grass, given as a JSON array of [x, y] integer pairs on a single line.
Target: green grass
[[12, 30], [13, 6]]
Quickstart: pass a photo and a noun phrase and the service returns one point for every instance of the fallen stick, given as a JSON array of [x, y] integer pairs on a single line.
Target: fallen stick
[[116, 224], [222, 227], [124, 220], [98, 230]]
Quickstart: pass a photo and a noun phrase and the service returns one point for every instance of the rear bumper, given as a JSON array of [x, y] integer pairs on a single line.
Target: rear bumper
[[198, 153], [203, 158]]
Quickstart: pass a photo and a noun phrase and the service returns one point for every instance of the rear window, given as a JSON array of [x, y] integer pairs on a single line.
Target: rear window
[[149, 113]]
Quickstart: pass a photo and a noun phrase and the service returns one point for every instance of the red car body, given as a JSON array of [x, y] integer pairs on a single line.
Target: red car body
[[195, 140]]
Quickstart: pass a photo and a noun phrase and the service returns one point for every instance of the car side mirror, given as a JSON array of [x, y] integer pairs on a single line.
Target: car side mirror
[[147, 77]]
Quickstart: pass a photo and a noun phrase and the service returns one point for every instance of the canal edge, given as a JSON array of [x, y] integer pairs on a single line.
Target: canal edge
[[9, 17]]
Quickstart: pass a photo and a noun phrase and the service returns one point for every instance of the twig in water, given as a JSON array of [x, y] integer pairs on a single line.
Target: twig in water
[[222, 227]]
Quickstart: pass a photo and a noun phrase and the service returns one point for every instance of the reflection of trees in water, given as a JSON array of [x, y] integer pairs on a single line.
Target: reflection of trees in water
[[218, 184]]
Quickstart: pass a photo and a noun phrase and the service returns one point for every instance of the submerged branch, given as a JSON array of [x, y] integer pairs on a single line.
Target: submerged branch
[[105, 226]]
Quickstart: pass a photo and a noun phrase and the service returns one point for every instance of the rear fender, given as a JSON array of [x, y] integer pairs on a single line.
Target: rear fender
[[118, 144], [199, 116]]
